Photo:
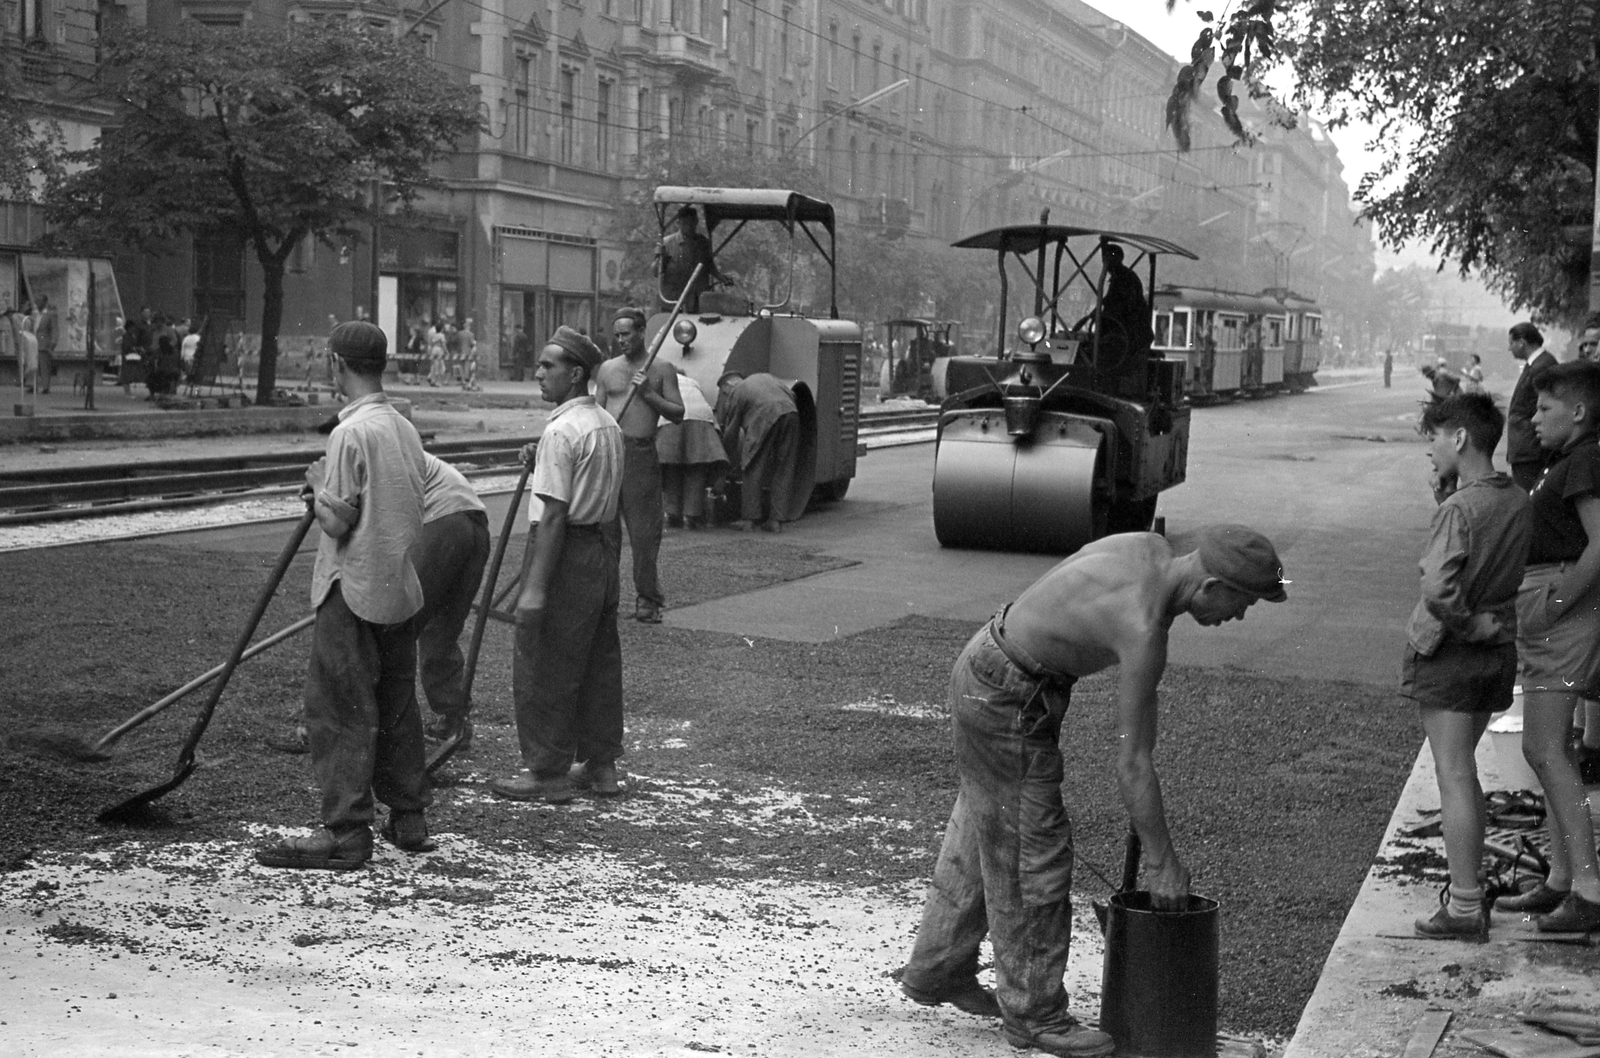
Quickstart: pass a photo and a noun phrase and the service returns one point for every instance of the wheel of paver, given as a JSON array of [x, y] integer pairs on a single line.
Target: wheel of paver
[[831, 491]]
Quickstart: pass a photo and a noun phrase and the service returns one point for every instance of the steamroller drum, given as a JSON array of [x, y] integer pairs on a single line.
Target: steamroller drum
[[993, 491]]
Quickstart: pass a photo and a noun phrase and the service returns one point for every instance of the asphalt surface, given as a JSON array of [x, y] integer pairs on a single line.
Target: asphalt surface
[[1336, 477]]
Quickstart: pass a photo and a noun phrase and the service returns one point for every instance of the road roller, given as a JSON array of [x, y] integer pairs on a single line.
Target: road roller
[[731, 328], [1071, 431]]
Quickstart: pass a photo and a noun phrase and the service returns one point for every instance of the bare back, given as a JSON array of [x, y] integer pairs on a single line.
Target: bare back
[[1106, 604], [612, 382]]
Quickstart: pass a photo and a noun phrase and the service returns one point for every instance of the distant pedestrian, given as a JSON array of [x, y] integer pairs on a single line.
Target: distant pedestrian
[[567, 676], [1523, 451], [1388, 367], [438, 350], [364, 731], [760, 425], [1460, 659], [1472, 375], [521, 354], [47, 329], [1558, 639]]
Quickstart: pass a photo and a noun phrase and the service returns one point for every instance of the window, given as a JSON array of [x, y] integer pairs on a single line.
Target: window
[[855, 65], [1180, 328], [833, 52], [569, 114], [646, 121], [727, 25], [872, 167], [521, 105], [752, 51], [783, 43], [877, 64], [602, 122], [855, 182], [828, 161], [750, 127], [916, 91], [708, 19], [35, 16], [916, 180]]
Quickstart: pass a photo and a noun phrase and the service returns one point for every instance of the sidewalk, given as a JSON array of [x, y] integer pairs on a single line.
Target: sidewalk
[[1379, 981]]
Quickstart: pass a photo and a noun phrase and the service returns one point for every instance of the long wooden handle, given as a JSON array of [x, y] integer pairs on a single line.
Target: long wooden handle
[[661, 335], [489, 581], [199, 681], [268, 590]]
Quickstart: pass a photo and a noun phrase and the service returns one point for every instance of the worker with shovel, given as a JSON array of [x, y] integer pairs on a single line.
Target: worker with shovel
[[1006, 865], [365, 733]]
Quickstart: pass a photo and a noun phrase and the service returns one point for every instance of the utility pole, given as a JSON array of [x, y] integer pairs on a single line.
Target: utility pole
[[1594, 245]]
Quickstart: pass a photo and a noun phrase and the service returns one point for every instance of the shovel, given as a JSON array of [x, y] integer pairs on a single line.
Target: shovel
[[446, 751], [129, 810]]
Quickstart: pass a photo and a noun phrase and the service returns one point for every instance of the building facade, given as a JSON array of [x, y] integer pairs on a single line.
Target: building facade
[[981, 112]]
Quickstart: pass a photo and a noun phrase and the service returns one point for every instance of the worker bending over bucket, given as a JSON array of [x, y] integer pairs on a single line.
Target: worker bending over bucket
[[1006, 865]]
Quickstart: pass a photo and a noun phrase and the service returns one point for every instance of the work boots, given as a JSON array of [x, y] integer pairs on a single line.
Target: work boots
[[1065, 1037]]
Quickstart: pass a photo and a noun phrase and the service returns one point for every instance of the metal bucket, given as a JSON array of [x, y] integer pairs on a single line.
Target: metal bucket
[[1158, 993], [1022, 415]]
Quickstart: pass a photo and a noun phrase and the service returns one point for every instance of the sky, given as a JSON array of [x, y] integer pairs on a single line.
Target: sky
[[1175, 34]]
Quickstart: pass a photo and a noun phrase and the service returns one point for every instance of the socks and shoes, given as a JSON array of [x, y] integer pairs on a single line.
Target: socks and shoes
[[647, 612], [1461, 916], [598, 779], [1554, 910], [408, 832], [1063, 1037], [523, 786]]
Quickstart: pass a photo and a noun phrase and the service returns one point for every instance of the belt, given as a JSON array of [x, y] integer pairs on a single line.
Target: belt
[[639, 442], [1021, 658]]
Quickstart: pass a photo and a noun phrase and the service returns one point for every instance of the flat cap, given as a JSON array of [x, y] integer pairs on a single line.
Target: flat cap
[[359, 341], [1243, 559], [578, 347]]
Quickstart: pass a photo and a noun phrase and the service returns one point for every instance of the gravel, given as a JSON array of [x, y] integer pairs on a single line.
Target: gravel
[[822, 772]]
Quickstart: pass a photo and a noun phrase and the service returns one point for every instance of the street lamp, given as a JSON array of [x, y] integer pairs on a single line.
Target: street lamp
[[850, 108]]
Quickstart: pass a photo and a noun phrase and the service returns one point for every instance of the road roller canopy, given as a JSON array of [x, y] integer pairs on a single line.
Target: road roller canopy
[[1024, 238], [746, 204], [741, 205]]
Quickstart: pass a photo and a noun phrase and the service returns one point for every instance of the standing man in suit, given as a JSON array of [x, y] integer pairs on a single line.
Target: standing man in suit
[[1523, 451]]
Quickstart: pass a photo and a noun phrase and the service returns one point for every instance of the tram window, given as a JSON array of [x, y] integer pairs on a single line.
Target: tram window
[[1291, 329], [1231, 328], [1313, 327], [1180, 328], [1274, 332], [1163, 329]]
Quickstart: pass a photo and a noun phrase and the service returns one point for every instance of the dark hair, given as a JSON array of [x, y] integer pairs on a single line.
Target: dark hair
[[366, 368], [1474, 412], [1528, 333], [1576, 381]]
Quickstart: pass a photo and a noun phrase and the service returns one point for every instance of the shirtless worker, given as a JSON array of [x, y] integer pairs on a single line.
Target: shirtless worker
[[1006, 864], [658, 398]]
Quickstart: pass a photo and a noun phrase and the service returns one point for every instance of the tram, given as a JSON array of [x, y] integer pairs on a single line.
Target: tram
[[1234, 344]]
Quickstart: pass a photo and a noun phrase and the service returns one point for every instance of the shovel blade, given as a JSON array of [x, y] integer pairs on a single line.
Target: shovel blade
[[129, 810]]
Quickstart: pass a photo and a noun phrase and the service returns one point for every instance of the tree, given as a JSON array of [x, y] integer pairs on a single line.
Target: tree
[[277, 135], [30, 146], [1486, 110]]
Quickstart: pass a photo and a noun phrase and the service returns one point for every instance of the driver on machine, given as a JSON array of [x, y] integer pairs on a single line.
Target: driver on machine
[[1126, 333], [680, 252]]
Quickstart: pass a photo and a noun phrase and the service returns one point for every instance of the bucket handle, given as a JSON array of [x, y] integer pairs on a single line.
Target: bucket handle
[[1130, 876]]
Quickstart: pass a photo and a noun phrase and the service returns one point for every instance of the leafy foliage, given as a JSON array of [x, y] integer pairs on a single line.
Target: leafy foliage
[[30, 146], [278, 135], [1486, 110]]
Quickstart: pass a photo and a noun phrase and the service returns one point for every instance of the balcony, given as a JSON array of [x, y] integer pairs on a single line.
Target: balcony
[[689, 53]]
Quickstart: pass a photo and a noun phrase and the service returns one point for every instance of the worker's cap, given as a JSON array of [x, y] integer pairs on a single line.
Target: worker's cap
[[359, 342], [578, 348], [1242, 559]]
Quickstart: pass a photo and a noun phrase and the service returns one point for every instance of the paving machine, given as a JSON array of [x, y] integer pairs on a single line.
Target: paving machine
[[733, 330], [911, 349], [1072, 432]]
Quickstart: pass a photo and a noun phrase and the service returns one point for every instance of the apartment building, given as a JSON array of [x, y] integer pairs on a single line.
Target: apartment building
[[978, 113]]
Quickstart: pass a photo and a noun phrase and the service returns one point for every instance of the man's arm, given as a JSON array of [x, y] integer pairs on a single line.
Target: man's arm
[[1141, 669], [539, 562], [660, 392], [1443, 564], [335, 516]]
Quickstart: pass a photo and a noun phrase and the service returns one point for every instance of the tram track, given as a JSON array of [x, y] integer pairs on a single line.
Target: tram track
[[70, 493]]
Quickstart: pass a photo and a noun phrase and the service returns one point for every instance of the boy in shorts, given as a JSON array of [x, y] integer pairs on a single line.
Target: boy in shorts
[[1461, 655]]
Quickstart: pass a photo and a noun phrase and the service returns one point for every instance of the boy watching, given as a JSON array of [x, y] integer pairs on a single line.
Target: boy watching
[[1461, 656], [1558, 639], [364, 732]]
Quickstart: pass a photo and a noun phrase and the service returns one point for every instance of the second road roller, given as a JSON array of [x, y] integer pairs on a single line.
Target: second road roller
[[1072, 430]]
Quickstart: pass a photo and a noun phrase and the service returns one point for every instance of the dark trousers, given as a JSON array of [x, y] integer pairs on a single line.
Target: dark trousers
[[1005, 868], [566, 679], [450, 564], [362, 724], [770, 472], [47, 369], [641, 513]]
